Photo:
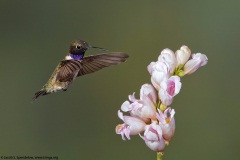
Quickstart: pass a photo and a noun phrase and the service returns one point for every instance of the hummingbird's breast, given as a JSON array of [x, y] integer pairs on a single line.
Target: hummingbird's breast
[[53, 85], [57, 85]]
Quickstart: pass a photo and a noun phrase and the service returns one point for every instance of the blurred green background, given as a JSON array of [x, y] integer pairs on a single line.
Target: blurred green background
[[80, 123]]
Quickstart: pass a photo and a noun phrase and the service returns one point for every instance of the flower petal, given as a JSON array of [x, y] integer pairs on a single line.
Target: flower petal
[[126, 106], [198, 60]]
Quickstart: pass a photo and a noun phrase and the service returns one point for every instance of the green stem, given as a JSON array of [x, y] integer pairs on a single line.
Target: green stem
[[162, 107], [159, 155]]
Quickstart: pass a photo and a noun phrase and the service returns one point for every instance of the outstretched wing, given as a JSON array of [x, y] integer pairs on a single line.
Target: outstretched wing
[[68, 70], [94, 63]]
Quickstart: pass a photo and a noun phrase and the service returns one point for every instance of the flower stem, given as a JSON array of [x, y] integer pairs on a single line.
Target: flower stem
[[159, 155]]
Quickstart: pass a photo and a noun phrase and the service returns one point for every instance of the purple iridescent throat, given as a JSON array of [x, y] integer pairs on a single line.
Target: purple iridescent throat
[[77, 56]]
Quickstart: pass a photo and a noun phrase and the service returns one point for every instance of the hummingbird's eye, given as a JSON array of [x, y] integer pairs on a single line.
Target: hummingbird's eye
[[78, 47]]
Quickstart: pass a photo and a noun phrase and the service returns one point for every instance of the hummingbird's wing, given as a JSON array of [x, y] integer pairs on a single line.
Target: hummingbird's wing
[[94, 63], [69, 69]]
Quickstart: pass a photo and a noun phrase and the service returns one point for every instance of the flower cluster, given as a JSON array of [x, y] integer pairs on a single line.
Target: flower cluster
[[151, 113]]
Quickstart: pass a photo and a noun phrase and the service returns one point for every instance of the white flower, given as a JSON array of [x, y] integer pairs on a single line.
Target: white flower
[[183, 55], [153, 137], [131, 126], [167, 123], [168, 57], [198, 60], [169, 89]]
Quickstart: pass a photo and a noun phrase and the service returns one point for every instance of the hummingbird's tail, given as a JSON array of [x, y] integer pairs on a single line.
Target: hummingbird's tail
[[42, 92]]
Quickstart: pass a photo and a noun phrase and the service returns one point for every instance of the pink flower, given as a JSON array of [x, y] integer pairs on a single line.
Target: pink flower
[[168, 57], [153, 137], [198, 60], [131, 126], [167, 123], [143, 108], [160, 72], [169, 89], [150, 113], [183, 55], [127, 106], [149, 92], [136, 109], [146, 112], [150, 67]]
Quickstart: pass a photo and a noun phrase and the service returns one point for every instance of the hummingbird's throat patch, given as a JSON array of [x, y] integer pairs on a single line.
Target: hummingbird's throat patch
[[77, 56]]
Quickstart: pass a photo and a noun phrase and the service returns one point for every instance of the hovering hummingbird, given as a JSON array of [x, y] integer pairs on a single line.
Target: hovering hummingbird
[[75, 65]]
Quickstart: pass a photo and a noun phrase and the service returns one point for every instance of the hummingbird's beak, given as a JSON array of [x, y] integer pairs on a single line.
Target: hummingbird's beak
[[93, 47]]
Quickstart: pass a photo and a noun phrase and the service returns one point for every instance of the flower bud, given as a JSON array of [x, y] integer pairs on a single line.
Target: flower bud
[[160, 73], [148, 91], [150, 67], [198, 60], [153, 137], [168, 57], [183, 55]]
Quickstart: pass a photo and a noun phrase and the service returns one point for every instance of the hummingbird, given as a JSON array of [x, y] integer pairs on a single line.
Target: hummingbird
[[75, 65]]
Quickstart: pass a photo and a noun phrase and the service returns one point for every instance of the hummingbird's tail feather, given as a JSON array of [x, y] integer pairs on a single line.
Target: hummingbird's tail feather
[[42, 92]]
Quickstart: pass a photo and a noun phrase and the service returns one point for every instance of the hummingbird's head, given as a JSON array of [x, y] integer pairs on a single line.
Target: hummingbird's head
[[78, 47]]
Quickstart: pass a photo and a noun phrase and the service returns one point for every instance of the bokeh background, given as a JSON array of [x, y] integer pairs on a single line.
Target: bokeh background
[[80, 123]]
